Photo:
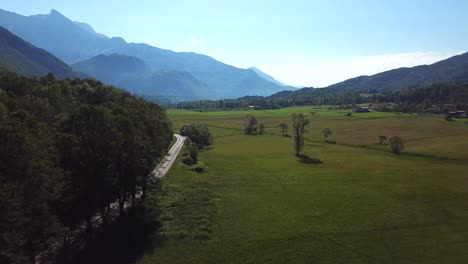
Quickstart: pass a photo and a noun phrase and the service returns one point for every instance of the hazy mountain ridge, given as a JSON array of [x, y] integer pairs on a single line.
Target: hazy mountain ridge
[[54, 32], [266, 76], [454, 69], [19, 56], [134, 75], [74, 42]]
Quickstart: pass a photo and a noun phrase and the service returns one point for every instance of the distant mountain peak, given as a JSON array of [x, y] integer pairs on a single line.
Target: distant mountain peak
[[57, 14]]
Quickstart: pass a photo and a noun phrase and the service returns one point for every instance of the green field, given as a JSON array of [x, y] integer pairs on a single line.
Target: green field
[[363, 204]]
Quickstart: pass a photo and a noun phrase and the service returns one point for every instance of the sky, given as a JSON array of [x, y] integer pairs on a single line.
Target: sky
[[299, 42]]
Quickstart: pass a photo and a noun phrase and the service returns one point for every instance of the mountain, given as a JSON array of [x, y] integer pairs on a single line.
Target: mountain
[[74, 42], [134, 75], [266, 76], [223, 81], [19, 56], [68, 40], [454, 69]]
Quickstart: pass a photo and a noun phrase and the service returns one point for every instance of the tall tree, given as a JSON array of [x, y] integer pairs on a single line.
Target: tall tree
[[300, 123]]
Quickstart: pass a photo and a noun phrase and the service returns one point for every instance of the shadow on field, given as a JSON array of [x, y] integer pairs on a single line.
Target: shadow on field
[[428, 156], [308, 160], [124, 241]]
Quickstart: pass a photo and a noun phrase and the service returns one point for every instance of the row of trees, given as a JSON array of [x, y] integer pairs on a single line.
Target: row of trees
[[68, 148], [446, 95]]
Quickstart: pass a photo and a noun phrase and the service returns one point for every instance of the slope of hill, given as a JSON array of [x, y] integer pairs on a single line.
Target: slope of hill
[[74, 42], [454, 69], [266, 76], [19, 56], [134, 75]]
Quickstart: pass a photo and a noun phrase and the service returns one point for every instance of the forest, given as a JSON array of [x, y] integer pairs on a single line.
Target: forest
[[68, 148]]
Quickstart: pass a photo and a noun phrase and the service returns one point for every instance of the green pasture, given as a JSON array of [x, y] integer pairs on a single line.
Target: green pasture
[[363, 204]]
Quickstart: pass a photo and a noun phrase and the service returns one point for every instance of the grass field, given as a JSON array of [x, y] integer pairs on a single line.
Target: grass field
[[258, 204]]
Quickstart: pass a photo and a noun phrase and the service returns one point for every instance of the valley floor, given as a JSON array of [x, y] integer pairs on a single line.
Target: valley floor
[[258, 204]]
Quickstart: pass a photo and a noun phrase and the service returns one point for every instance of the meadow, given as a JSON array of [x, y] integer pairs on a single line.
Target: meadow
[[363, 204]]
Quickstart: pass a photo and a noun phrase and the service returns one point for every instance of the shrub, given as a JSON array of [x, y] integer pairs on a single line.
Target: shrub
[[187, 160], [382, 139], [200, 135], [326, 132]]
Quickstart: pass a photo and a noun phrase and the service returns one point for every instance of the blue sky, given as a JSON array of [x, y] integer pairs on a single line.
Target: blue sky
[[300, 42]]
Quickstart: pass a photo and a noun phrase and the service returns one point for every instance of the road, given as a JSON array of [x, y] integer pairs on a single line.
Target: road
[[169, 159], [160, 171]]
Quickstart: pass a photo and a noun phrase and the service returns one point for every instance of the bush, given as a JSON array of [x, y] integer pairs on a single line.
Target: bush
[[382, 139], [187, 160], [198, 134]]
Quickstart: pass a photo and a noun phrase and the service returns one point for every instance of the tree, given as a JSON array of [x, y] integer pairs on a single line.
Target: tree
[[326, 132], [190, 153], [284, 128], [382, 139], [250, 125], [396, 144], [68, 148], [300, 122], [200, 135]]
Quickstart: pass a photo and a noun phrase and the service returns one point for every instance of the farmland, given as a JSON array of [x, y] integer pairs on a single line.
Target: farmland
[[363, 204]]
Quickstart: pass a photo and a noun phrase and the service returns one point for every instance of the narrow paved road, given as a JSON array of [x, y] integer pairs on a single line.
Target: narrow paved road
[[159, 172], [170, 158]]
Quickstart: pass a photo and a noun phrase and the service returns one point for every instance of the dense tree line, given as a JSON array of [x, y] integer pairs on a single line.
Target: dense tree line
[[68, 148], [453, 96]]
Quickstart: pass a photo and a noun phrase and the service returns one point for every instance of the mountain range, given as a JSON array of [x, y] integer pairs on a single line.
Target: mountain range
[[454, 69], [136, 76], [164, 75], [79, 44]]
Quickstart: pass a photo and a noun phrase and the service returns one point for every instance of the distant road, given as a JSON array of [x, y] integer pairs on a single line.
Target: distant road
[[159, 172], [169, 159]]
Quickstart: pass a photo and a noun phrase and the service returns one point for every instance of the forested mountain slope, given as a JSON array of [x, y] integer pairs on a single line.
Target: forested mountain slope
[[19, 56], [454, 69]]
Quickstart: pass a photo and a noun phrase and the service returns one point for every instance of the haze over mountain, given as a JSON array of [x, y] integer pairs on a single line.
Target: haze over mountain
[[266, 76], [75, 41], [133, 74], [444, 82], [19, 56]]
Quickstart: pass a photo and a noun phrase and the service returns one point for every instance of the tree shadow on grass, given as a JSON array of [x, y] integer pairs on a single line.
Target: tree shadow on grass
[[125, 240], [429, 156], [308, 160]]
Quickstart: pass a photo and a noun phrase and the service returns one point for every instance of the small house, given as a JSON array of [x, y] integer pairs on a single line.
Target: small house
[[361, 109]]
